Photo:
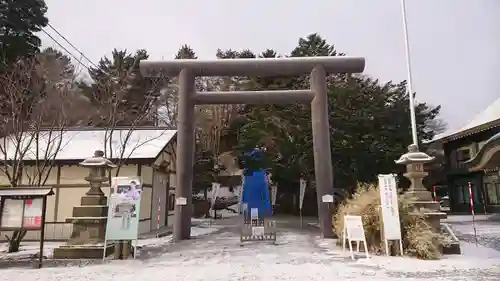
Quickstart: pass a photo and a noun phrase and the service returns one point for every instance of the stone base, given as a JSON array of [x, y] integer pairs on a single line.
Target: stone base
[[83, 252]]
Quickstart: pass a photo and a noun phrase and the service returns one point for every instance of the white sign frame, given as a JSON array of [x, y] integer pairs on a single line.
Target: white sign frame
[[354, 231], [389, 209]]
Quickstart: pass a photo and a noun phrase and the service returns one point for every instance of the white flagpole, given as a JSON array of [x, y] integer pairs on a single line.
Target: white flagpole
[[408, 66]]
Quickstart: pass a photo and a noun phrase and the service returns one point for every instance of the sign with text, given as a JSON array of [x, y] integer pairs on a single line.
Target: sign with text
[[22, 213], [354, 231], [389, 207], [124, 207]]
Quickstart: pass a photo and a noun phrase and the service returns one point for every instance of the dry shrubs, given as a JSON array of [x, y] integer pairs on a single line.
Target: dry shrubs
[[419, 239]]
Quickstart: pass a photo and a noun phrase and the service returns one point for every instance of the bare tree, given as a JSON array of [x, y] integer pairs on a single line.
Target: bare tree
[[38, 103], [120, 118]]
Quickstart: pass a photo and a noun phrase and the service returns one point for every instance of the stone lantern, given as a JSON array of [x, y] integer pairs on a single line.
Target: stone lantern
[[98, 168], [89, 219], [414, 161], [423, 200]]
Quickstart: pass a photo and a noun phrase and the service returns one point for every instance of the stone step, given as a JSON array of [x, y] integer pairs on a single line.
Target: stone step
[[82, 252], [420, 195], [430, 205], [94, 200], [90, 211]]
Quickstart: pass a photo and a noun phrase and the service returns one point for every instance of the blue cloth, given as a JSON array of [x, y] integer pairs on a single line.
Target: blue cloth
[[256, 193]]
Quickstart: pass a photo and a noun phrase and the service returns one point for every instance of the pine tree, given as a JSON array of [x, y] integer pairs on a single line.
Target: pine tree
[[19, 21]]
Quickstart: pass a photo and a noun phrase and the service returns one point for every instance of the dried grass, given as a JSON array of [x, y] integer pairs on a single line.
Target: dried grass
[[419, 239]]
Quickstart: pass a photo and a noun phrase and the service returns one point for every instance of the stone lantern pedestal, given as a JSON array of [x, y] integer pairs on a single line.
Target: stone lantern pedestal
[[423, 200], [89, 219]]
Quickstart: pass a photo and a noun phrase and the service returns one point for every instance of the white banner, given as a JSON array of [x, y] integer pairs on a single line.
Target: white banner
[[302, 191], [215, 193], [274, 194], [389, 205]]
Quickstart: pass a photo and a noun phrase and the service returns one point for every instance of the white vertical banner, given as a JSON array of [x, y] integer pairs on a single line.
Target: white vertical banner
[[389, 208], [302, 192], [274, 194], [215, 193]]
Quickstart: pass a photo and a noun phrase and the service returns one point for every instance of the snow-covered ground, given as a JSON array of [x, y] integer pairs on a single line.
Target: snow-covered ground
[[485, 229], [31, 249], [28, 249], [299, 255]]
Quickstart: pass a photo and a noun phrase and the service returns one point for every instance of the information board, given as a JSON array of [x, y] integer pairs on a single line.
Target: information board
[[389, 207], [123, 209], [22, 213]]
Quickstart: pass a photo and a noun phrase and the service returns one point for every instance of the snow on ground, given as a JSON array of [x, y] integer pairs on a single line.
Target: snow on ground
[[472, 258], [487, 230], [28, 249], [298, 255], [161, 241]]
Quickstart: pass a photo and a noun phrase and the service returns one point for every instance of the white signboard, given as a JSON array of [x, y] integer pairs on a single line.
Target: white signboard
[[257, 231], [389, 207], [354, 231], [302, 192], [274, 194], [181, 201], [327, 198], [254, 213]]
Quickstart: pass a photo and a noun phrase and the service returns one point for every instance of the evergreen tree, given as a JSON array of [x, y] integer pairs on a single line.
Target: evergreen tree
[[119, 87], [19, 21], [369, 121], [185, 52]]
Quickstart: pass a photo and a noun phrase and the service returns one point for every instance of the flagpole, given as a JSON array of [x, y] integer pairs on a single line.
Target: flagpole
[[408, 66]]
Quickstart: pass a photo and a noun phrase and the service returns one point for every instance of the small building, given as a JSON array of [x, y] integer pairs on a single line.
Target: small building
[[472, 156], [148, 153]]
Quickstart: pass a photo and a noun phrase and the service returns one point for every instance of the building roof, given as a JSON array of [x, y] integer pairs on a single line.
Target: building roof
[[81, 144], [483, 121]]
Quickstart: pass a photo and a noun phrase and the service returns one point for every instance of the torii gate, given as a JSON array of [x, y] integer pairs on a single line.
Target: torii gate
[[188, 69]]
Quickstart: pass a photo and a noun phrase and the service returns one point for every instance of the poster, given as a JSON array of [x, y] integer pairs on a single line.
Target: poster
[[22, 213], [123, 209], [33, 213], [389, 205], [12, 213]]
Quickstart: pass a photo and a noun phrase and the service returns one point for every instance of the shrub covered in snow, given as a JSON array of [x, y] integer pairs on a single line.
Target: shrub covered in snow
[[419, 239]]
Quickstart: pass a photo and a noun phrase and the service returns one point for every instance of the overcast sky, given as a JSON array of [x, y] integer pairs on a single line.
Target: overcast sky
[[455, 44]]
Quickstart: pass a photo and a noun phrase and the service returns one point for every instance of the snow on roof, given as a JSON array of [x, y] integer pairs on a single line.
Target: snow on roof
[[490, 115], [78, 145]]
